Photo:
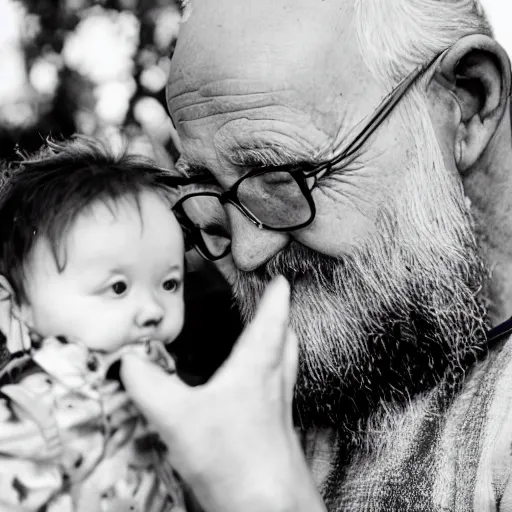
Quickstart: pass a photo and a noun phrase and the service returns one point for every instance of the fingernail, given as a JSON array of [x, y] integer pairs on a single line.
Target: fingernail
[[278, 291], [281, 286]]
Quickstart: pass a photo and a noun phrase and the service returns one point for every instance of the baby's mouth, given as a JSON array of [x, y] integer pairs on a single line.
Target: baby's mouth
[[147, 340], [143, 340]]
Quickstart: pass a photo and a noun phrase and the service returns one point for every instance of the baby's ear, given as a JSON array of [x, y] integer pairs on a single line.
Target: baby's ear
[[6, 290], [13, 331]]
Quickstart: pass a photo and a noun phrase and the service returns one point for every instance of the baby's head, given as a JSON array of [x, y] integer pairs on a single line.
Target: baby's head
[[91, 248]]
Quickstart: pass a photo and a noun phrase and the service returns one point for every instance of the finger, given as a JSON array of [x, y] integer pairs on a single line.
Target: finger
[[290, 368], [290, 363], [154, 391], [263, 340]]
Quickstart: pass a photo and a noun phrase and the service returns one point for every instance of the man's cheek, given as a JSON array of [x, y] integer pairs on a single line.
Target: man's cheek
[[226, 266]]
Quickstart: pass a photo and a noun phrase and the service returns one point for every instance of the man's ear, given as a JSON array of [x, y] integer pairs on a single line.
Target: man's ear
[[476, 72]]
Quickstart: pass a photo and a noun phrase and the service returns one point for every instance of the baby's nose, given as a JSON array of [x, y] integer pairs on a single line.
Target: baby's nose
[[150, 314]]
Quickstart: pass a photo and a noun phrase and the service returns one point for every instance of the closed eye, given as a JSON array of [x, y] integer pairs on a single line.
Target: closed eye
[[277, 178], [275, 172], [215, 229]]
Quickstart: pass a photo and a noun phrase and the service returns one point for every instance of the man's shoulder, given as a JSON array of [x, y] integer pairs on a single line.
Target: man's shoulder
[[478, 427], [484, 401], [490, 375], [439, 452]]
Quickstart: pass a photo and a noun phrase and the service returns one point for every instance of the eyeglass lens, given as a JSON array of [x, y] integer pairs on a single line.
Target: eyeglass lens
[[274, 199]]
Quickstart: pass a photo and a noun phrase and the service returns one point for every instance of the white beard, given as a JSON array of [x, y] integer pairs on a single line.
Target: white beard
[[392, 319]]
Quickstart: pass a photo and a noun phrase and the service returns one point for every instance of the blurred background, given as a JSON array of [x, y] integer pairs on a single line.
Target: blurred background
[[95, 67], [500, 16]]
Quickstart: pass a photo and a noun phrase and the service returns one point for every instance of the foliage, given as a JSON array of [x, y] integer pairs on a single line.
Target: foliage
[[94, 67]]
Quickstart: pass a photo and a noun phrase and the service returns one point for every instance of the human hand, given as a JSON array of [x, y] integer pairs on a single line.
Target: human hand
[[232, 440]]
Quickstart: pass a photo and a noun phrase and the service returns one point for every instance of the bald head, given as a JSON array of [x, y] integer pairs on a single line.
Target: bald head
[[328, 52], [258, 51], [279, 82], [223, 39]]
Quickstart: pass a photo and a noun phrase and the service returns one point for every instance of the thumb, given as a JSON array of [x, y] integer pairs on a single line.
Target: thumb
[[291, 363], [262, 341], [154, 391]]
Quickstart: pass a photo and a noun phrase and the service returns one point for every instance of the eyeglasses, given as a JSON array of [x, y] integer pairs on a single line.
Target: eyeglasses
[[279, 199]]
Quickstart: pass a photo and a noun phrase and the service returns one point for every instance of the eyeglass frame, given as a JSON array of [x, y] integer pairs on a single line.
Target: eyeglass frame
[[379, 115]]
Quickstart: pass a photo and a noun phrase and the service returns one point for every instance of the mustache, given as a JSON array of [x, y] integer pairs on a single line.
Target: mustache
[[296, 262], [309, 273]]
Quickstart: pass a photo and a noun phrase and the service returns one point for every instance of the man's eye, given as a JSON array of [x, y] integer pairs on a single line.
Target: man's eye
[[119, 287], [171, 285], [213, 229]]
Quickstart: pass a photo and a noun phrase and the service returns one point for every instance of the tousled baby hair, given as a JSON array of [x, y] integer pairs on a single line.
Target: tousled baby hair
[[42, 195]]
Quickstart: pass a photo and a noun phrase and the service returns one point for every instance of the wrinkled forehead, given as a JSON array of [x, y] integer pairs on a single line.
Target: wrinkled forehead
[[302, 53]]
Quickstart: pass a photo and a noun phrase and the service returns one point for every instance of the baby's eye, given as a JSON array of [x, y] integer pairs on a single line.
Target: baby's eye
[[119, 287], [171, 285]]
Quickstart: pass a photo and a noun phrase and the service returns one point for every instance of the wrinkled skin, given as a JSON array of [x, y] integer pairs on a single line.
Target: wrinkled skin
[[297, 81], [288, 78], [269, 92], [265, 95]]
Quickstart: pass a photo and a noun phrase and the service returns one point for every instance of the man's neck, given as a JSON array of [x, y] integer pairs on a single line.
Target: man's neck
[[489, 188]]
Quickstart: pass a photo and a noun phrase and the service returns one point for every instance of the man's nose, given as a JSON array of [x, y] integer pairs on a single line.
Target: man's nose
[[251, 246], [150, 312]]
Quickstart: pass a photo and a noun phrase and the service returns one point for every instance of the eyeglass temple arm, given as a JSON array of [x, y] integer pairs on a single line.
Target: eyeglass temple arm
[[384, 109], [382, 112]]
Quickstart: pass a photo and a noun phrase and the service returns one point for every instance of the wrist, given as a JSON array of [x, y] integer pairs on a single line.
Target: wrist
[[269, 490]]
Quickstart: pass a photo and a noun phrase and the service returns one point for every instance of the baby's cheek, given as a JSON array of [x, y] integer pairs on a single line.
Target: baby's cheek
[[52, 317], [176, 319], [104, 336], [100, 328]]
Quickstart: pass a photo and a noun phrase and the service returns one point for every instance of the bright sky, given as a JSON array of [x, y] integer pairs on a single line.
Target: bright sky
[[500, 15]]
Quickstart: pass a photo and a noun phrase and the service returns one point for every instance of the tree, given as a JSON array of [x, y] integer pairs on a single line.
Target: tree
[[98, 68]]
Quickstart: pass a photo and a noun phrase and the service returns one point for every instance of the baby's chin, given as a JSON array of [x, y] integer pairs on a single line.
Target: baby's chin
[[106, 345], [54, 353]]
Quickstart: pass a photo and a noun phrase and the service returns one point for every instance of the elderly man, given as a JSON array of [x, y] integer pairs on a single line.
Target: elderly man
[[361, 149]]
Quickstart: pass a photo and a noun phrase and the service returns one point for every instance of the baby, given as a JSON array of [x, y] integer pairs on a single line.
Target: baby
[[92, 266]]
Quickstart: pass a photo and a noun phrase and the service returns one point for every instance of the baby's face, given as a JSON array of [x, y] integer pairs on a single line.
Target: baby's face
[[122, 281]]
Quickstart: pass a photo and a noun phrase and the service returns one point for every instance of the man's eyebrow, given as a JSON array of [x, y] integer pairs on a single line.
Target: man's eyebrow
[[251, 155], [193, 170], [267, 155]]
